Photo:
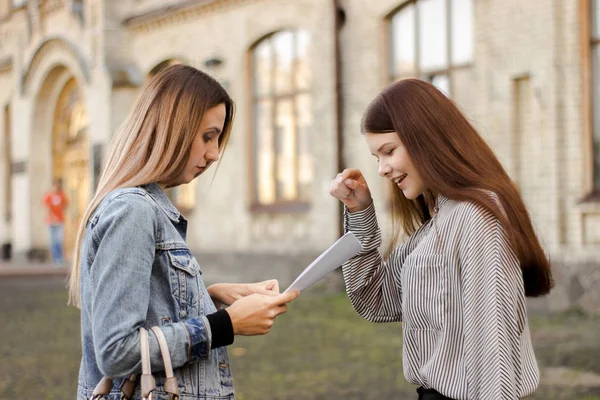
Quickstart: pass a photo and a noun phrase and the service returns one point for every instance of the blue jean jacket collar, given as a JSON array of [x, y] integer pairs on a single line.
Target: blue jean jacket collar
[[163, 201]]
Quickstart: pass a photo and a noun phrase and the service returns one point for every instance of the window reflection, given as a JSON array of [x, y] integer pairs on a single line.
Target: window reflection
[[432, 35], [286, 151], [282, 118], [430, 38], [462, 31], [305, 167], [441, 82], [264, 148], [403, 40], [263, 63], [302, 71], [284, 54]]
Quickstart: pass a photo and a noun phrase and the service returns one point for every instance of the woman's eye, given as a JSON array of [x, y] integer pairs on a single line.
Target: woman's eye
[[207, 138], [388, 152]]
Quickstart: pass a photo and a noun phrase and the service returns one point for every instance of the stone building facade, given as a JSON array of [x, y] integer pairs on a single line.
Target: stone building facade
[[301, 73]]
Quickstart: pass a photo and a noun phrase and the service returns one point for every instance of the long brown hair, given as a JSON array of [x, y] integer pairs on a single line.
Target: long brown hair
[[154, 142], [453, 160]]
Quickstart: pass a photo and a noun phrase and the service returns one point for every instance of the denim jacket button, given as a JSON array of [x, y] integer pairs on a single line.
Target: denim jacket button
[[182, 314]]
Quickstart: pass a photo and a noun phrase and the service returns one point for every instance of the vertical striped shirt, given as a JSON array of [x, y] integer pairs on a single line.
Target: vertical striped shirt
[[458, 289]]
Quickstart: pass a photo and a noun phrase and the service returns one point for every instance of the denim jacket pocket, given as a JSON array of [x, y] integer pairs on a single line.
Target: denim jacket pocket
[[183, 260], [184, 276]]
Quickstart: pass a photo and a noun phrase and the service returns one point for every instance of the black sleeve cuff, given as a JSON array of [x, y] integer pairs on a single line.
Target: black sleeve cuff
[[221, 328]]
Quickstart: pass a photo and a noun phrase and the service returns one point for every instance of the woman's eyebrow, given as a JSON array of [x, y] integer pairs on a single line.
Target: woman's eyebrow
[[213, 128]]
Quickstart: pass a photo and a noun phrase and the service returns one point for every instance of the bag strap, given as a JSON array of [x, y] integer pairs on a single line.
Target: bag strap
[[106, 384], [127, 387], [103, 388], [171, 386], [148, 382]]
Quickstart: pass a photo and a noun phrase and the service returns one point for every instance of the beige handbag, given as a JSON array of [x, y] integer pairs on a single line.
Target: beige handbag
[[148, 383]]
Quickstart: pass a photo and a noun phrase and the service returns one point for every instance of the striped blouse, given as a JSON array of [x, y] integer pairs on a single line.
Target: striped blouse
[[457, 287]]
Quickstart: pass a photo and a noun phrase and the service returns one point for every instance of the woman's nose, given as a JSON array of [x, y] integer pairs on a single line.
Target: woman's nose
[[383, 169], [212, 154]]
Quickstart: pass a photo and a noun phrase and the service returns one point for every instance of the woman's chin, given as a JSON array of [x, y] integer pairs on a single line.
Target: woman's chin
[[410, 195]]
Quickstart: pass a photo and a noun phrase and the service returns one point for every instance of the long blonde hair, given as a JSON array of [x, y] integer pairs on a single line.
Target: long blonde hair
[[154, 142]]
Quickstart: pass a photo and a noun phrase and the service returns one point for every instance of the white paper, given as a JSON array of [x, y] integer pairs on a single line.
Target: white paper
[[341, 251]]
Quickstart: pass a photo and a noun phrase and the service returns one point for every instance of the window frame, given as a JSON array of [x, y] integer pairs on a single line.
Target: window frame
[[293, 94], [589, 78], [392, 75]]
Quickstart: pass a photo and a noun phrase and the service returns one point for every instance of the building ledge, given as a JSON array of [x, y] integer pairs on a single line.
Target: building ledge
[[164, 12], [589, 203], [185, 10]]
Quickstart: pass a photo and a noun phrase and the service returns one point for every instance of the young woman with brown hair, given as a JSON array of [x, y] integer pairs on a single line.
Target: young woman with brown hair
[[459, 282]]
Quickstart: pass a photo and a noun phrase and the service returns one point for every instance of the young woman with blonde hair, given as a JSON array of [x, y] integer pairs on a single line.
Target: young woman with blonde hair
[[459, 281], [133, 267]]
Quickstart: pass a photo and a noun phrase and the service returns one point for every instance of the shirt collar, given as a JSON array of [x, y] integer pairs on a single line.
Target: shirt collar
[[163, 201], [440, 200]]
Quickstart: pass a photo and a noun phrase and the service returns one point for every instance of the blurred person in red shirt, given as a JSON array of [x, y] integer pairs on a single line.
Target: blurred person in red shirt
[[56, 202]]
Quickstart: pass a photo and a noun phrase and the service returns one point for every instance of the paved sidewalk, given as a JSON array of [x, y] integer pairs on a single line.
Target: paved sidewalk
[[24, 268]]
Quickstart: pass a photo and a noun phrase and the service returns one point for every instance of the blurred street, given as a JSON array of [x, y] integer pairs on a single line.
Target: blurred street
[[318, 350], [18, 269]]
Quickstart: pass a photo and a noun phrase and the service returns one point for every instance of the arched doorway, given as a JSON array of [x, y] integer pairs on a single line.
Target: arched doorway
[[70, 157]]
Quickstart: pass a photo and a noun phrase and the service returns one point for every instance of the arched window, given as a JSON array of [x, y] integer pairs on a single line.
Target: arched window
[[430, 38], [282, 120]]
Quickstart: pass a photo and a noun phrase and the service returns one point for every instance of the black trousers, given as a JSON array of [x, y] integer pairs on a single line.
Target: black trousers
[[430, 394]]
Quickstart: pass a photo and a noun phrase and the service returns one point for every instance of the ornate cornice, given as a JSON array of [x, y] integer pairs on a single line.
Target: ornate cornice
[[184, 11], [49, 6], [53, 44], [11, 12]]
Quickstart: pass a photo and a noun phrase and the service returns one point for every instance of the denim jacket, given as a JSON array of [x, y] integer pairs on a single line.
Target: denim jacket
[[136, 270]]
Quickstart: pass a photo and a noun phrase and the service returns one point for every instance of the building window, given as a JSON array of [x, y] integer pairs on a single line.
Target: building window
[[78, 10], [430, 38], [595, 43], [281, 76]]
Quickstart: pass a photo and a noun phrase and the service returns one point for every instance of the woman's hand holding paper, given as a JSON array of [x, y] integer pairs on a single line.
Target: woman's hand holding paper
[[229, 293]]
